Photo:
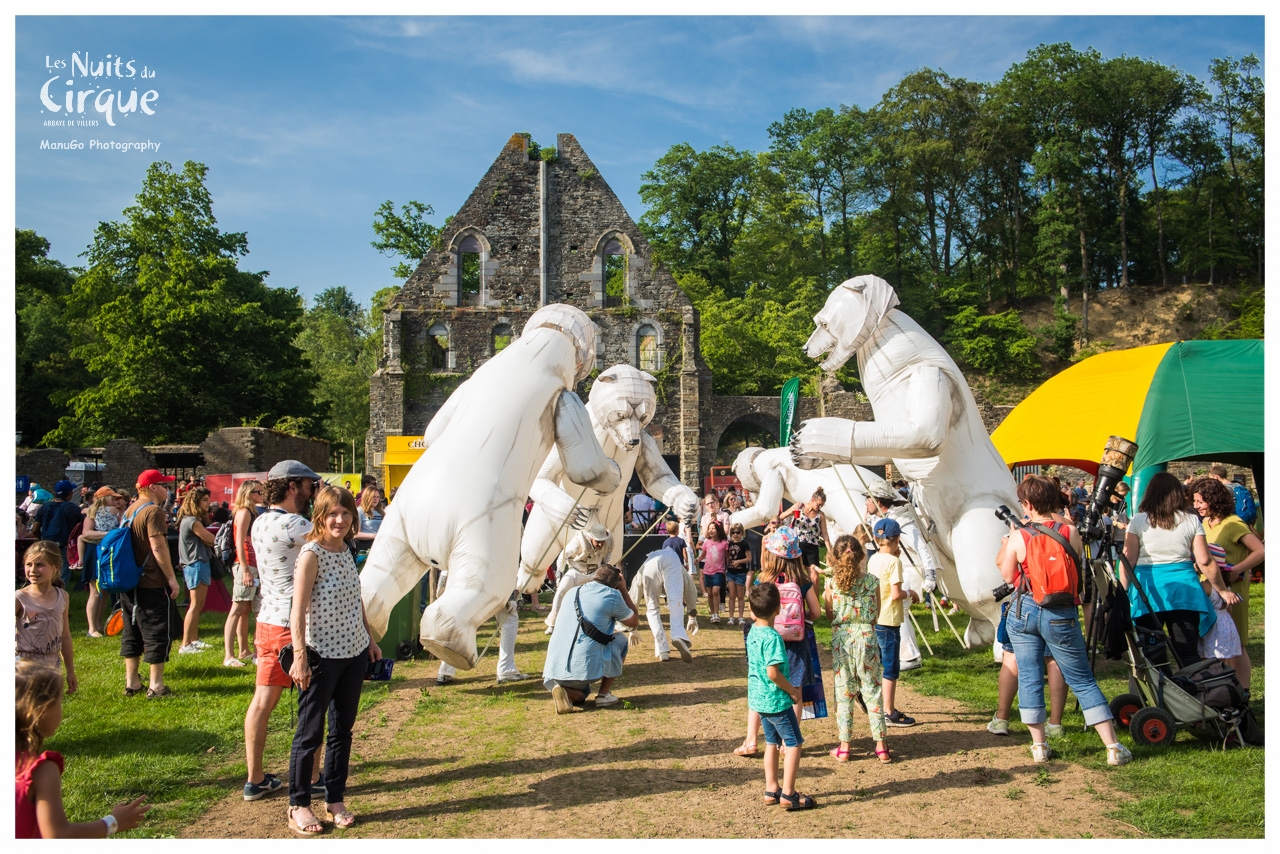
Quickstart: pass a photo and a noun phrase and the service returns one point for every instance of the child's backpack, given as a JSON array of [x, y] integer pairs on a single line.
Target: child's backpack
[[1052, 575], [118, 569], [73, 544], [790, 620], [224, 544]]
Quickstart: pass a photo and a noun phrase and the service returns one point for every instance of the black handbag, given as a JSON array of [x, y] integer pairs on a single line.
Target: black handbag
[[286, 658]]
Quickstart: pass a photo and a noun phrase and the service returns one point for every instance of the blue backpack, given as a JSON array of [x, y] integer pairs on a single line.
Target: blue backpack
[[118, 570], [1246, 509]]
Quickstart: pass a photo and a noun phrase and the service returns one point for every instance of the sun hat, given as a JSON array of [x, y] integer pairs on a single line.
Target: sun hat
[[783, 543], [151, 477], [884, 492], [886, 529], [104, 491], [291, 468]]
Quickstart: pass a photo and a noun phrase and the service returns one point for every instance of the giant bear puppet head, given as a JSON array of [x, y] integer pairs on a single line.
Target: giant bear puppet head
[[622, 401], [850, 317], [574, 323]]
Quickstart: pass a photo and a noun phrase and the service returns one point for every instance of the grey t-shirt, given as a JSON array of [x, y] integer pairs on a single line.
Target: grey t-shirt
[[190, 547]]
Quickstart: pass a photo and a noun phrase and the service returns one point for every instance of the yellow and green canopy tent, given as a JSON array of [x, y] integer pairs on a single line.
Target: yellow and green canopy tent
[[1189, 400]]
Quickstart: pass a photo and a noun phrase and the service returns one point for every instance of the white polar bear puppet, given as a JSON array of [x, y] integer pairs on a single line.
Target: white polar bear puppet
[[459, 507], [928, 424], [772, 476], [621, 404]]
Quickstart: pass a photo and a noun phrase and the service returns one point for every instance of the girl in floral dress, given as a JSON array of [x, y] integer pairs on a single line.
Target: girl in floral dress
[[852, 603]]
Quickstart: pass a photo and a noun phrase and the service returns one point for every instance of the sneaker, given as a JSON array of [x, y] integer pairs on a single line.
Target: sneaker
[[715, 618], [664, 657], [998, 726], [682, 647], [605, 699], [899, 719], [1054, 730], [1118, 754], [549, 630], [189, 649], [560, 698], [1041, 753], [270, 783], [317, 788], [232, 662], [513, 677], [200, 645], [913, 664], [443, 680]]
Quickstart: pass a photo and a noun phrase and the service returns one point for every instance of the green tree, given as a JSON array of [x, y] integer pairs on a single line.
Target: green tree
[[698, 206], [334, 333], [46, 373], [406, 235], [179, 340]]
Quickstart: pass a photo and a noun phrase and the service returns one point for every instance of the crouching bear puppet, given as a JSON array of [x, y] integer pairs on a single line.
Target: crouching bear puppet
[[459, 507]]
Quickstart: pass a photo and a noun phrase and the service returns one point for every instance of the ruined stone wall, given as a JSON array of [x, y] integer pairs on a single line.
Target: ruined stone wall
[[252, 449], [45, 466]]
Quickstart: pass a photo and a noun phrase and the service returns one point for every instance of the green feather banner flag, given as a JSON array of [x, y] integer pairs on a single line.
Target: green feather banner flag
[[790, 394]]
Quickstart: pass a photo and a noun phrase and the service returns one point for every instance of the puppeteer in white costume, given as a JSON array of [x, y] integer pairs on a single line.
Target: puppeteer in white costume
[[928, 425], [459, 507]]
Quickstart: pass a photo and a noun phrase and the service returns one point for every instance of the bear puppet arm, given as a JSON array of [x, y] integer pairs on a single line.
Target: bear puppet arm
[[658, 480], [581, 457]]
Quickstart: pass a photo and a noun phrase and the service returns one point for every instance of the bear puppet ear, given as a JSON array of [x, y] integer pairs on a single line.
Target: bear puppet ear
[[650, 378], [606, 377], [859, 284]]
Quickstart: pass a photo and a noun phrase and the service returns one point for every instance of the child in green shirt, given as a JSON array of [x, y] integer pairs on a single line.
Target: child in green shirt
[[771, 694]]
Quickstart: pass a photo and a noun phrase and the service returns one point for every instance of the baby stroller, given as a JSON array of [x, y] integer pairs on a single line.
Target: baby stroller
[[1204, 694]]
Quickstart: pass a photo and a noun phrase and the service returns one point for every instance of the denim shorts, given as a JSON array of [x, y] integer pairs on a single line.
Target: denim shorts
[[782, 728], [738, 578], [890, 638], [196, 574], [715, 579]]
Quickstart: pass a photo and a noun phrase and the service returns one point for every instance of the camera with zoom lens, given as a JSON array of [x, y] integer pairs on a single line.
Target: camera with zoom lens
[[1004, 514], [1002, 591]]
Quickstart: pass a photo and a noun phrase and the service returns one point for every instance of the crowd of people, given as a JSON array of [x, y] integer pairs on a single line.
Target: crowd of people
[[291, 544]]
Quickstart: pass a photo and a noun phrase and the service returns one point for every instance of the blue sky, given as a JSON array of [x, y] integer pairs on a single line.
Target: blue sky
[[308, 124]]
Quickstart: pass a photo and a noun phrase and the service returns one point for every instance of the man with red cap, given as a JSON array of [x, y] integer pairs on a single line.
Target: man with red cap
[[151, 620]]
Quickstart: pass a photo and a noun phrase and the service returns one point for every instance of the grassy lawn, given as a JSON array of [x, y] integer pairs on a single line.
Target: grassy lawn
[[184, 752], [1187, 789]]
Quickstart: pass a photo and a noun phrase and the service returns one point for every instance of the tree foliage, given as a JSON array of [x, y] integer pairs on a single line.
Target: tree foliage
[[1071, 173], [177, 338], [406, 235]]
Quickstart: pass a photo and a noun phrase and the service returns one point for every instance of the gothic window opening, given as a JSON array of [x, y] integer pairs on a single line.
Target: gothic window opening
[[615, 274], [647, 349], [502, 336], [438, 347], [469, 271]]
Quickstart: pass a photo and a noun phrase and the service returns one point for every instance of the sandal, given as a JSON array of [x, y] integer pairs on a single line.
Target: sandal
[[743, 750], [772, 797], [838, 754], [129, 692], [883, 753], [342, 819], [232, 662], [797, 801], [311, 828]]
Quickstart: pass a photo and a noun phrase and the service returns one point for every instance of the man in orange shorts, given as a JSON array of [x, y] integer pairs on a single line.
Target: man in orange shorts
[[278, 535]]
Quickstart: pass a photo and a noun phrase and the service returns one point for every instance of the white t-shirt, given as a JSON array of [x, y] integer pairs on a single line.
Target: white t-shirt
[[1156, 545], [277, 540]]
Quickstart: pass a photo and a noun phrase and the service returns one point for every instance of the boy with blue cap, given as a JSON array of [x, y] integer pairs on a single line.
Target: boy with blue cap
[[886, 565]]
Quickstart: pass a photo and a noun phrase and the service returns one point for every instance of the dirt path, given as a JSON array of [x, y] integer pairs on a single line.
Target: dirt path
[[473, 760]]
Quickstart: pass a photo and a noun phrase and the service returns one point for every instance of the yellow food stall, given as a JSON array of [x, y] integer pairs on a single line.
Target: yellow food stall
[[402, 452]]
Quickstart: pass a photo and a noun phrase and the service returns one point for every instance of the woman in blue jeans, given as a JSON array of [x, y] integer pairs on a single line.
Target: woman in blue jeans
[[1034, 627]]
